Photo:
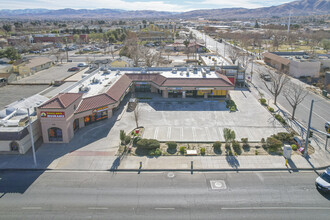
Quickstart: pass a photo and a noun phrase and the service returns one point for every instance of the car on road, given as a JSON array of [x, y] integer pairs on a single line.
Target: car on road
[[82, 65], [266, 77], [322, 182], [73, 69]]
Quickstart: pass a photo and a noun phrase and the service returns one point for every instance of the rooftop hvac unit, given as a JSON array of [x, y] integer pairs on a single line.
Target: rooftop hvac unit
[[174, 70], [187, 73], [195, 70], [95, 80], [118, 72], [83, 88]]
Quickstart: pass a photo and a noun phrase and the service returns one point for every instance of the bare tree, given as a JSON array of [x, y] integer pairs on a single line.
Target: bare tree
[[294, 94], [234, 54], [148, 56], [277, 81]]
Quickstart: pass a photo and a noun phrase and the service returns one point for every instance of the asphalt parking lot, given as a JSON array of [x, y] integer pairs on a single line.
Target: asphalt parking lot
[[204, 120], [12, 93], [57, 72]]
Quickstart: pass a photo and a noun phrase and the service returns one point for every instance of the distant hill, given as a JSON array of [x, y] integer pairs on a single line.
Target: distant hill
[[297, 8]]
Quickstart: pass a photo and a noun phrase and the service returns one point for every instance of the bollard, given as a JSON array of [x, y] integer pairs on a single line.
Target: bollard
[[140, 164], [286, 162], [192, 167]]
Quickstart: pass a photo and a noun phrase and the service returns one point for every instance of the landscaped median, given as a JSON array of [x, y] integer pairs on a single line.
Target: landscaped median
[[153, 148]]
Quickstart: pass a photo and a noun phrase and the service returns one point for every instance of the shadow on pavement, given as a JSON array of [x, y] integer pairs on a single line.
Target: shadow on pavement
[[292, 165], [19, 181], [232, 161]]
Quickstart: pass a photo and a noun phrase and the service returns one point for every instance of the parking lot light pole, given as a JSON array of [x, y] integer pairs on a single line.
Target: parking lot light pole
[[32, 141], [308, 128]]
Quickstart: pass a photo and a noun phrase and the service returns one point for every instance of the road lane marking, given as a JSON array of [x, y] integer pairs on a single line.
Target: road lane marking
[[265, 208], [98, 208], [31, 208], [164, 208]]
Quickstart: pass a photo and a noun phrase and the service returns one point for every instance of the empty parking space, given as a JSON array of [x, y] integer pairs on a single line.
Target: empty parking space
[[204, 120]]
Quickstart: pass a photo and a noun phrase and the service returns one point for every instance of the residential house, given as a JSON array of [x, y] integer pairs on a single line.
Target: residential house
[[32, 66], [122, 62]]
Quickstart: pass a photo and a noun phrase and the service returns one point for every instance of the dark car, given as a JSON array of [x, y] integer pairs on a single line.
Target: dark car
[[72, 69]]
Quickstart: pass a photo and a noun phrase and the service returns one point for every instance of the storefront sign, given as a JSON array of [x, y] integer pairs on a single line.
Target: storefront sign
[[141, 83], [176, 88], [204, 88], [52, 114], [100, 109]]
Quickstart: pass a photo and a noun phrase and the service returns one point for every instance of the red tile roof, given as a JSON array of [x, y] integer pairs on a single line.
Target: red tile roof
[[277, 58], [118, 89], [154, 77], [94, 102], [61, 101], [195, 82]]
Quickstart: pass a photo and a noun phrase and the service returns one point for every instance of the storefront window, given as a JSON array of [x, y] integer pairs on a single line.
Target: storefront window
[[97, 116], [55, 134]]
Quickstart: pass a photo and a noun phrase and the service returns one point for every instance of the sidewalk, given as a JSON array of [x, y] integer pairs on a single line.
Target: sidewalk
[[105, 160]]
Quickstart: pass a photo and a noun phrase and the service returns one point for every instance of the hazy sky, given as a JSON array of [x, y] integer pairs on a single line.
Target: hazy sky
[[159, 5]]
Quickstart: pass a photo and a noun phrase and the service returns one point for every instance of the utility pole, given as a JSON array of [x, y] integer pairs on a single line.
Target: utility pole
[[289, 22], [252, 68], [32, 141], [308, 128], [66, 50]]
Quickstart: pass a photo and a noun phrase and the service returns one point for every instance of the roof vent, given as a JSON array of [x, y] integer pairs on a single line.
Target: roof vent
[[174, 70]]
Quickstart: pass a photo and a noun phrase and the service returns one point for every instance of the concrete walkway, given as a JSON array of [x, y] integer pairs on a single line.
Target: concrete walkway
[[104, 160]]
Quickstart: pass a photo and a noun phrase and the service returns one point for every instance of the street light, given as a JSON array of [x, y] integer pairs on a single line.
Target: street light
[[31, 135], [252, 68]]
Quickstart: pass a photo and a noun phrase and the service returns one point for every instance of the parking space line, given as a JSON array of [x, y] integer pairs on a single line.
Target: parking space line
[[181, 133], [194, 133], [168, 132], [207, 133], [156, 133]]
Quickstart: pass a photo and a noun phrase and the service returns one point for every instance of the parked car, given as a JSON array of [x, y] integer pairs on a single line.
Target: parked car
[[73, 69], [326, 126], [82, 65], [322, 182]]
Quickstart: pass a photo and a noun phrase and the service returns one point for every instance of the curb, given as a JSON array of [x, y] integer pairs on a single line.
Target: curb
[[169, 170]]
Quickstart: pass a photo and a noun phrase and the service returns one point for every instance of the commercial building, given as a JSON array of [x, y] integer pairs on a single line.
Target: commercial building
[[31, 66], [97, 95], [296, 64], [14, 132]]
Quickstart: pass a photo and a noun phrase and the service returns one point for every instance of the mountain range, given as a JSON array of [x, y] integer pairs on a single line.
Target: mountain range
[[296, 8]]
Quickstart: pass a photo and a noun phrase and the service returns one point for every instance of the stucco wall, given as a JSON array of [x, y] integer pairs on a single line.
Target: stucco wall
[[298, 69]]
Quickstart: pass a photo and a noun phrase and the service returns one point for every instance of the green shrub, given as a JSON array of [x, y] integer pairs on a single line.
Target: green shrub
[[273, 144], [263, 101], [230, 153], [233, 108], [236, 147], [155, 152], [270, 109], [127, 140], [294, 147], [230, 104], [263, 140], [203, 151], [280, 119], [217, 145], [171, 145], [148, 143], [256, 153], [135, 140], [245, 141], [283, 136], [182, 149]]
